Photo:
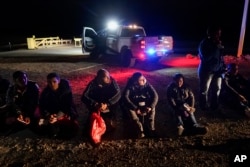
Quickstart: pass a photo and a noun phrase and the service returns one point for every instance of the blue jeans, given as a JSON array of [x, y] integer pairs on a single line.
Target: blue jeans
[[150, 119], [209, 81], [190, 121]]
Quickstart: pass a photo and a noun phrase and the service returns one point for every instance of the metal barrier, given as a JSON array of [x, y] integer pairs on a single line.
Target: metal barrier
[[35, 43]]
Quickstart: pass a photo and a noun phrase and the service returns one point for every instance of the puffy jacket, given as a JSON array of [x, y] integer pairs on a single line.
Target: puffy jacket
[[23, 103], [135, 94], [97, 93], [51, 102], [177, 96]]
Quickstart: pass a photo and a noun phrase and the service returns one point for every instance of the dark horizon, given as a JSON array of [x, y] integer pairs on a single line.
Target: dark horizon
[[184, 20]]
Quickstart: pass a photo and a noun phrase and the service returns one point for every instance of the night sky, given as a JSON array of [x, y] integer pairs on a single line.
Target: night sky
[[183, 19]]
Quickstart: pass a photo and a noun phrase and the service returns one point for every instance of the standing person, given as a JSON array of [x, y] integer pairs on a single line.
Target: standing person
[[210, 69], [21, 103], [236, 90], [4, 85], [141, 99], [58, 112], [102, 93], [181, 99]]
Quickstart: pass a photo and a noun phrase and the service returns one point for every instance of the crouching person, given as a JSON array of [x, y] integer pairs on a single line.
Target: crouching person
[[102, 94], [58, 117], [141, 99], [21, 104], [181, 99]]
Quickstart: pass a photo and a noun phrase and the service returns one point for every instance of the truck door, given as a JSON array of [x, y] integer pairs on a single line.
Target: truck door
[[89, 37]]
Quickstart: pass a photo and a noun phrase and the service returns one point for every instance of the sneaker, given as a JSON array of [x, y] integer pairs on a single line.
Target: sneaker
[[180, 130], [141, 135]]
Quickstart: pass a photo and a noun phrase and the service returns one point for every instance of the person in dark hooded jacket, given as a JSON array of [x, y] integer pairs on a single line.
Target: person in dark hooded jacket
[[57, 108], [21, 104], [102, 94], [141, 98]]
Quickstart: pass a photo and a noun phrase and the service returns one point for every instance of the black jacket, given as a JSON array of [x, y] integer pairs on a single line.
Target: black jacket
[[61, 100], [23, 103], [135, 94], [97, 93], [211, 56]]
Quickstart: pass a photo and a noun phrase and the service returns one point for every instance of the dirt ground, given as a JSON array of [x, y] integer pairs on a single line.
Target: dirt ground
[[227, 134]]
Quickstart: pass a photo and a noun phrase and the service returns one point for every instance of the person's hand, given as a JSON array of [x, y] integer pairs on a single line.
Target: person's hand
[[148, 109], [53, 118], [219, 44], [104, 106], [27, 120], [24, 120], [41, 121], [138, 112]]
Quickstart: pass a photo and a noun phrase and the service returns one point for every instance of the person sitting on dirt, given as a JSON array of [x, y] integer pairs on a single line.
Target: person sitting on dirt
[[181, 99], [141, 99], [236, 90], [102, 94], [58, 112], [21, 104], [4, 85]]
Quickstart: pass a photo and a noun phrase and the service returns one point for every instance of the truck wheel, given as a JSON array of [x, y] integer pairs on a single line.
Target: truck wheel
[[126, 58]]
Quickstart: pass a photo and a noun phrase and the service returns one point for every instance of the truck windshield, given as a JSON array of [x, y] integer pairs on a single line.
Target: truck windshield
[[132, 32]]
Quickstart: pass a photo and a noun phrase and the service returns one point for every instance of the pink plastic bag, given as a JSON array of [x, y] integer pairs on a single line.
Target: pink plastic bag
[[97, 127]]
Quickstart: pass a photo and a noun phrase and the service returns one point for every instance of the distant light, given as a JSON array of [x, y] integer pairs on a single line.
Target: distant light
[[151, 51], [112, 25], [142, 56], [134, 26]]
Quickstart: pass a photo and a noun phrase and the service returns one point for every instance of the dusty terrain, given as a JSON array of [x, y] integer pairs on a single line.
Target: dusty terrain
[[227, 134]]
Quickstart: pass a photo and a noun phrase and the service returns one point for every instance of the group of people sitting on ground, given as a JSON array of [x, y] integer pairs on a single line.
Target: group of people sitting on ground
[[52, 111]]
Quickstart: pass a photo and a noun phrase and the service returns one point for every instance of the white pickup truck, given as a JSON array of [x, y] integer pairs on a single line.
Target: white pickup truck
[[130, 43]]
